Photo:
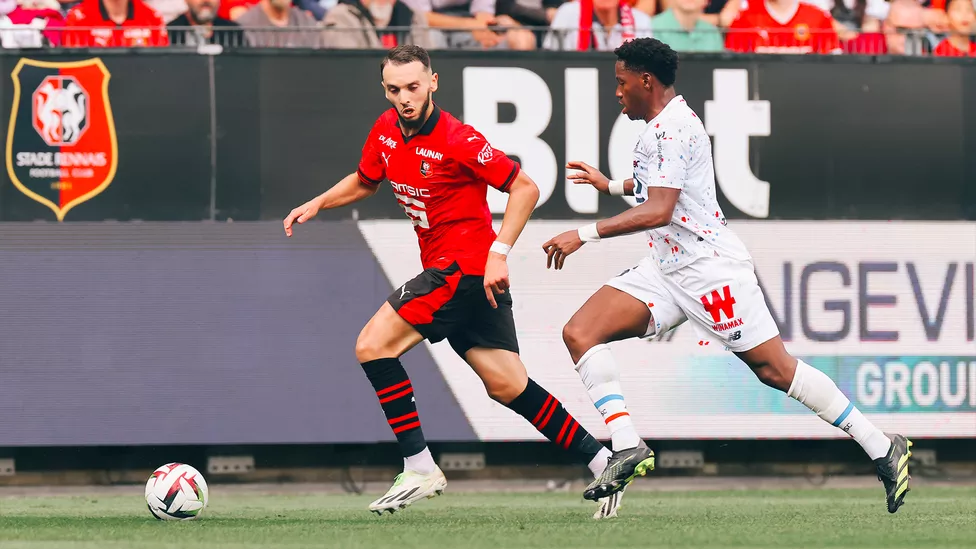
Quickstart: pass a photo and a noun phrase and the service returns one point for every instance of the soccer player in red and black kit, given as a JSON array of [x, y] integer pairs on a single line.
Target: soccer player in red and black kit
[[439, 170]]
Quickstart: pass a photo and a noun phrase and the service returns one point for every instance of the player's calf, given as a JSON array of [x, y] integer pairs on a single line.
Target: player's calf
[[815, 390], [547, 415], [384, 338]]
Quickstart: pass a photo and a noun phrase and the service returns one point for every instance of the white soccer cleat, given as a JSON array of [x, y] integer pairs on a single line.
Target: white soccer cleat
[[608, 506], [408, 488]]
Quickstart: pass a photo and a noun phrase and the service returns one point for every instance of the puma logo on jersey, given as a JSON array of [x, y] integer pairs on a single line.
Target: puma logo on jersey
[[404, 291], [427, 153], [472, 138]]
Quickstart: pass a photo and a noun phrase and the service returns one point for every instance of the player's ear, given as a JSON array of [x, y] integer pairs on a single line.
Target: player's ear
[[433, 82], [647, 80]]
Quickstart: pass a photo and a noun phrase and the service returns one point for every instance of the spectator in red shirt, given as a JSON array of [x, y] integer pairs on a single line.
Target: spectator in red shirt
[[782, 26], [962, 16], [114, 24]]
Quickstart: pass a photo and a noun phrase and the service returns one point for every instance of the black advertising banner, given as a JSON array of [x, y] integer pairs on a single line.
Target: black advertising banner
[[248, 135]]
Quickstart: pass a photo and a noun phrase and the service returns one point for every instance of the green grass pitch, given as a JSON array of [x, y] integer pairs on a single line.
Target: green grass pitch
[[855, 518]]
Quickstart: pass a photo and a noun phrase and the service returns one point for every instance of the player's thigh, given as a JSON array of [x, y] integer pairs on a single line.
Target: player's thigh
[[636, 303], [486, 326], [723, 298], [386, 335], [422, 308]]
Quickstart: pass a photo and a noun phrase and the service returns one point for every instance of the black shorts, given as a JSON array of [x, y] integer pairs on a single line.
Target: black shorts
[[448, 304]]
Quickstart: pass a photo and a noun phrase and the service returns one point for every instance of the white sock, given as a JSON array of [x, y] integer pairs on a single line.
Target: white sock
[[599, 462], [818, 392], [599, 373], [422, 463]]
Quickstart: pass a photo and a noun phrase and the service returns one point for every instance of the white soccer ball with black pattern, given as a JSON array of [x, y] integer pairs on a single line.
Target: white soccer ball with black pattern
[[176, 491]]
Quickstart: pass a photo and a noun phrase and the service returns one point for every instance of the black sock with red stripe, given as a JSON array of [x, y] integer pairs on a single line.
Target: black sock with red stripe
[[547, 414], [395, 392]]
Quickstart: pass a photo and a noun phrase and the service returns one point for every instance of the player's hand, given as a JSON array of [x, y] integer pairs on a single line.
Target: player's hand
[[496, 277], [588, 175], [559, 247], [302, 214]]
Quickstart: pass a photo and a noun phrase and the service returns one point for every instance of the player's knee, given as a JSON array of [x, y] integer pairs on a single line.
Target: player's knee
[[578, 339], [504, 391], [775, 373], [368, 348]]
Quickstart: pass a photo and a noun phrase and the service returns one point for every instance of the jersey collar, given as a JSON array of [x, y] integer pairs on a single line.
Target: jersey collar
[[428, 126]]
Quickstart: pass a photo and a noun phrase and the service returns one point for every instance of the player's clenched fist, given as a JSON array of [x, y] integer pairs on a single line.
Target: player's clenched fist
[[302, 214], [588, 176], [496, 277], [558, 247]]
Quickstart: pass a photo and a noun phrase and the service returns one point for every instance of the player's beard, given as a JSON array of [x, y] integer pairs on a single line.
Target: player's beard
[[419, 122]]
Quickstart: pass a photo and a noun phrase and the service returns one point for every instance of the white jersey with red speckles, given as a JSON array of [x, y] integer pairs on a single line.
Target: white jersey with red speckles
[[674, 151]]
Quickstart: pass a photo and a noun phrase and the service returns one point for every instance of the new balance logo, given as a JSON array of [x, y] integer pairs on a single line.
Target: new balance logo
[[736, 335]]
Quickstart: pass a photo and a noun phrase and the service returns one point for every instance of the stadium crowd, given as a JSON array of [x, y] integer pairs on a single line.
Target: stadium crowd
[[897, 27]]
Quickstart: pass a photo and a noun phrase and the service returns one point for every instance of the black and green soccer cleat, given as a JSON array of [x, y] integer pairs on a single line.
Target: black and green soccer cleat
[[622, 468], [893, 471]]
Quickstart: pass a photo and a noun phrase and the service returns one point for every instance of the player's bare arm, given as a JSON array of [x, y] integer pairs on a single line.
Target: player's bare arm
[[523, 195], [653, 213], [348, 190], [588, 175]]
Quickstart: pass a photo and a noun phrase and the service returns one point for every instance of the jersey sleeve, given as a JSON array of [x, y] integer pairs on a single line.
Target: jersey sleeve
[[372, 166], [477, 157], [667, 164]]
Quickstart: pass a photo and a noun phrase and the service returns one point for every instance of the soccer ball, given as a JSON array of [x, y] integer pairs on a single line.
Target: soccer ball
[[176, 491]]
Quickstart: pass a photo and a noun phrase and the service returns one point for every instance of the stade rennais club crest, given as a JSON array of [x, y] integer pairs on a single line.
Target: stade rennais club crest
[[61, 143]]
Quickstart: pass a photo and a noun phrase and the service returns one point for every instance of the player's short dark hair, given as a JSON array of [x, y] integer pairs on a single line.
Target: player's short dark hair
[[407, 53], [652, 56]]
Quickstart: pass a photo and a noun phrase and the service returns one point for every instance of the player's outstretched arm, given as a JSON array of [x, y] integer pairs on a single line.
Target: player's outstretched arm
[[588, 175], [523, 194], [655, 212], [348, 190]]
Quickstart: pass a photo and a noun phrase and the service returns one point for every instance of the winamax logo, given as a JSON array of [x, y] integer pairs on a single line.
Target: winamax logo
[[731, 117]]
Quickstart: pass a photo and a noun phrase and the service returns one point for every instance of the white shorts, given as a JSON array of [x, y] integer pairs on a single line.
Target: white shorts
[[721, 296]]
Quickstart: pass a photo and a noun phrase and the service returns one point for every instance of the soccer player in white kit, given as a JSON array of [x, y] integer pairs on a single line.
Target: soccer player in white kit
[[697, 270]]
